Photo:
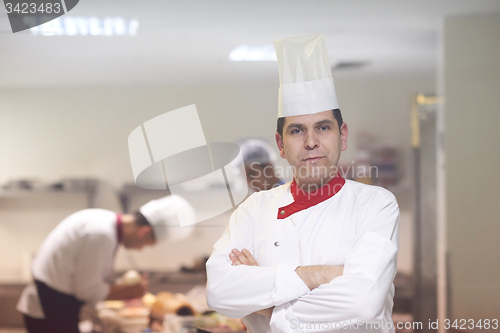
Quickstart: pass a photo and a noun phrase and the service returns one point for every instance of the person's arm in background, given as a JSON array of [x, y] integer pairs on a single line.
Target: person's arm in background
[[237, 291], [89, 283], [94, 254]]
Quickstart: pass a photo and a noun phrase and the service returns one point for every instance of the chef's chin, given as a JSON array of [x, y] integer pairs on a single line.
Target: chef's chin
[[314, 174]]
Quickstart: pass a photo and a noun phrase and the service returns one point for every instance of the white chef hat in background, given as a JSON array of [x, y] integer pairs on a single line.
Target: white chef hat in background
[[168, 216], [257, 150], [306, 83]]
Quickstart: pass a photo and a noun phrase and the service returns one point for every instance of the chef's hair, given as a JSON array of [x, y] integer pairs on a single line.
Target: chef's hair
[[140, 220], [336, 114]]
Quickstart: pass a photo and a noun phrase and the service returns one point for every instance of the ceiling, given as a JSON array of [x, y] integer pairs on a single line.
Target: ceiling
[[188, 42]]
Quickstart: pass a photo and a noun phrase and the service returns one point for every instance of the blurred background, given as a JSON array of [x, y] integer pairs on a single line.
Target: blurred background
[[418, 84]]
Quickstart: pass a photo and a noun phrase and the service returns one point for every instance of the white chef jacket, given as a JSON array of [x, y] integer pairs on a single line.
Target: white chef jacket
[[356, 227], [76, 258]]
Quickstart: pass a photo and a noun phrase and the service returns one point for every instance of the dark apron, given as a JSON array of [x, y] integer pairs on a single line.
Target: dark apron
[[61, 312]]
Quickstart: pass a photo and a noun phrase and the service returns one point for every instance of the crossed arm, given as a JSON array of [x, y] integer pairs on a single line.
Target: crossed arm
[[361, 289], [313, 276]]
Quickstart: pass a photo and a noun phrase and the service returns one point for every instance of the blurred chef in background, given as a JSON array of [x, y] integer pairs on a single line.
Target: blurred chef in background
[[259, 157], [74, 264]]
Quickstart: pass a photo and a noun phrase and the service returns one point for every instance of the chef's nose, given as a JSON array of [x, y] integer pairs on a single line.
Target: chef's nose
[[311, 140]]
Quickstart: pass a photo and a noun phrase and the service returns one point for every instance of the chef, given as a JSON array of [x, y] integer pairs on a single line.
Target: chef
[[259, 157], [317, 254], [74, 264]]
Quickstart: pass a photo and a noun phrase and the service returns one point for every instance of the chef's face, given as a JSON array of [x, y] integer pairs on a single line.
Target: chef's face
[[312, 144], [142, 237]]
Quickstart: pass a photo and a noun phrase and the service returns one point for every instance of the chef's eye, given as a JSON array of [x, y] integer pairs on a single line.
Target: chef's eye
[[294, 131], [324, 128]]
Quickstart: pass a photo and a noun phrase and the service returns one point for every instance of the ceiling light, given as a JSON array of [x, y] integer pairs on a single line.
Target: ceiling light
[[253, 53], [87, 26]]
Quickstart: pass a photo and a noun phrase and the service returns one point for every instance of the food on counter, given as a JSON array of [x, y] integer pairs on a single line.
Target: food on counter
[[149, 300], [126, 319], [156, 327], [165, 312], [215, 322], [125, 316], [131, 278], [115, 305], [167, 302], [171, 312], [134, 312]]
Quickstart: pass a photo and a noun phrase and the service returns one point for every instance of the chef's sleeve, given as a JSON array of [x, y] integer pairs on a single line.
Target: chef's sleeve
[[90, 285], [237, 291], [361, 294]]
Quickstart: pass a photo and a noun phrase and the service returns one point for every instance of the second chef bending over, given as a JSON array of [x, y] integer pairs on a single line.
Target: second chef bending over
[[317, 254], [75, 262]]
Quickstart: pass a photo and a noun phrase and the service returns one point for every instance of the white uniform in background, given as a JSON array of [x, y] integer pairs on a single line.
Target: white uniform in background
[[76, 259], [357, 227]]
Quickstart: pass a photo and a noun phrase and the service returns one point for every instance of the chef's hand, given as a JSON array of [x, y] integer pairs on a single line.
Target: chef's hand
[[244, 257], [121, 292], [315, 276]]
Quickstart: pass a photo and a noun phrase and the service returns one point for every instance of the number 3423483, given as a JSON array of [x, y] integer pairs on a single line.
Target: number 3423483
[[33, 8], [461, 324]]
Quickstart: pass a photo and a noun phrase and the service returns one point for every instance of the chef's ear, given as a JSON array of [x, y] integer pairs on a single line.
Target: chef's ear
[[279, 143], [344, 131]]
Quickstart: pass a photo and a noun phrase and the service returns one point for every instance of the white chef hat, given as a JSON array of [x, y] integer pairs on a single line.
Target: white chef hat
[[306, 83], [168, 215], [257, 150]]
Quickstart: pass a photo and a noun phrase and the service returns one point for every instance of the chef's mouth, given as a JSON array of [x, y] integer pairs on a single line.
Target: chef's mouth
[[312, 159]]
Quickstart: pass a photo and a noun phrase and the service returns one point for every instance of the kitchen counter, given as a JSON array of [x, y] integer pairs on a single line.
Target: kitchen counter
[[9, 295], [175, 282]]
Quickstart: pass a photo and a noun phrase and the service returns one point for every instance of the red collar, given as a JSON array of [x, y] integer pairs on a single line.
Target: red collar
[[303, 200], [119, 228]]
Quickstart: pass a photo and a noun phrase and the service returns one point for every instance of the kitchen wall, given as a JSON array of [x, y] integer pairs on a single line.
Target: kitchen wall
[[471, 87], [51, 133]]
